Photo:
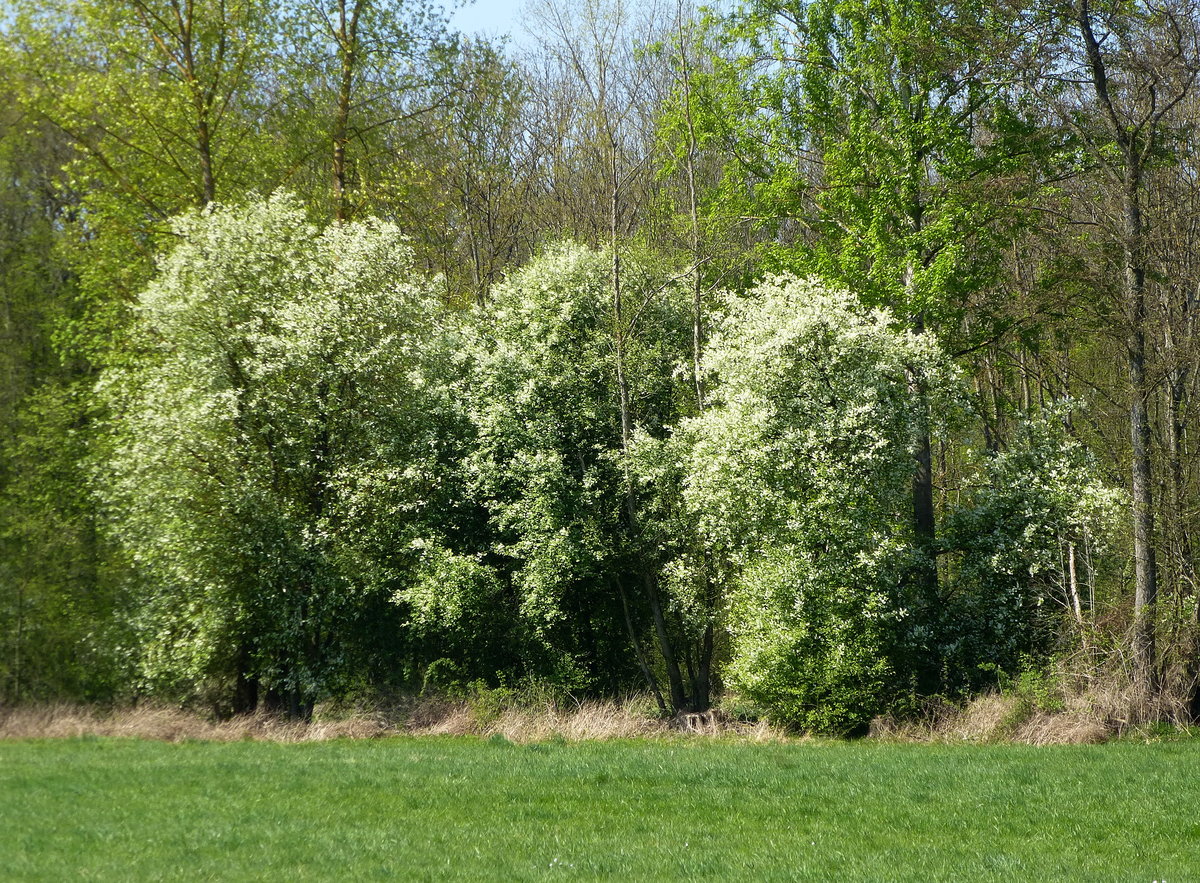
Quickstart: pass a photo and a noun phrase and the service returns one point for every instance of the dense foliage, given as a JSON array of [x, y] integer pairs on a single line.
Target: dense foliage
[[813, 358], [549, 465]]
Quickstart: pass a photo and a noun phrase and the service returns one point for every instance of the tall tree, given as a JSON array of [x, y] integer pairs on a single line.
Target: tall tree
[[479, 152], [158, 105], [1173, 248], [553, 459], [595, 44], [1122, 69], [275, 455], [164, 104], [54, 611], [812, 420]]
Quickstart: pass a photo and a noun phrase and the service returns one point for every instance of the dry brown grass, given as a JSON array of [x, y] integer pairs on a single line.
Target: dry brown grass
[[174, 725], [1061, 728], [997, 718], [587, 720], [1078, 702], [1071, 705]]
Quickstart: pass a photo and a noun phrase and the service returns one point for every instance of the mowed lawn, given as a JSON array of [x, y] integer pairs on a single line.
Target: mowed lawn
[[436, 808]]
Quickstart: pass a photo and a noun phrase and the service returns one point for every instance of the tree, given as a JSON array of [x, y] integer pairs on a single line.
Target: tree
[[812, 421], [162, 101], [483, 163], [879, 128], [155, 106], [276, 453], [598, 95], [58, 609], [591, 56], [367, 71], [555, 427], [1173, 248], [1030, 543], [1121, 70]]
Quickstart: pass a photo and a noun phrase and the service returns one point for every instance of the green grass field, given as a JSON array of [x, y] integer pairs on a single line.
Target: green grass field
[[434, 808]]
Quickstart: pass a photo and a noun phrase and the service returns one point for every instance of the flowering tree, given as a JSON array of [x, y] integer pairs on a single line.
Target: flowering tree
[[560, 374], [800, 476], [1028, 548], [277, 450]]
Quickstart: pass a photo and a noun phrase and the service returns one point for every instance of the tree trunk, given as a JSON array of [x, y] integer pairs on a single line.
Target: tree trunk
[[701, 689], [924, 526], [639, 654], [914, 214], [202, 102], [245, 692], [347, 40], [694, 217], [1073, 587], [208, 182], [1145, 568], [1135, 143], [674, 677], [18, 648], [1175, 310]]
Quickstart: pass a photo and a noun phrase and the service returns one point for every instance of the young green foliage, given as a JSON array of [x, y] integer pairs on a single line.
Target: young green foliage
[[876, 148]]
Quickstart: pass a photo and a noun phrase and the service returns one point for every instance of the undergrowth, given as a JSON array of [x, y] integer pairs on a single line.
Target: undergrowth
[[1088, 695]]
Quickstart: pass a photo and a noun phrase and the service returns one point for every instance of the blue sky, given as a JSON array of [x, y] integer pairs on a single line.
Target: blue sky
[[490, 17]]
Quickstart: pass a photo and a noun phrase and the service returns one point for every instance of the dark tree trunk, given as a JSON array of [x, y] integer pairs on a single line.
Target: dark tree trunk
[[1136, 143], [702, 687], [639, 654], [666, 646], [620, 329], [245, 689]]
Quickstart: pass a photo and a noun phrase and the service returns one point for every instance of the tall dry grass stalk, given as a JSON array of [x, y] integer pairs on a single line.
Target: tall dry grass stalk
[[630, 718], [995, 718]]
